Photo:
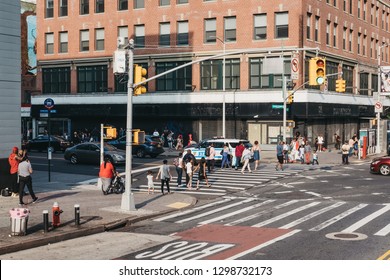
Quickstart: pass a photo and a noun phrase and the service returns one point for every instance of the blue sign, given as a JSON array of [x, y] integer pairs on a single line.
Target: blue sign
[[49, 103]]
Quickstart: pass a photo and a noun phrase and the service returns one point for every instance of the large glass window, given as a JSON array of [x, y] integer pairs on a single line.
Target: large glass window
[[49, 9], [84, 40], [177, 80], [63, 46], [363, 87], [139, 39], [308, 26], [317, 29], [260, 27], [335, 35], [164, 2], [182, 1], [92, 78], [56, 80], [230, 29], [99, 39], [84, 7], [63, 10], [348, 77], [49, 44], [182, 33], [212, 74], [259, 78], [210, 29], [138, 4], [165, 34], [99, 6], [281, 25], [123, 5], [121, 81], [327, 32]]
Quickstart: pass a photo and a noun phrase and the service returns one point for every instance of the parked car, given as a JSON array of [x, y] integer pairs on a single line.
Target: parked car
[[380, 165], [151, 147], [199, 150], [89, 152], [41, 143]]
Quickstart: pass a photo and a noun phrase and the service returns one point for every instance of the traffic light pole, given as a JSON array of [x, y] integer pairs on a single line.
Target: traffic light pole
[[128, 197]]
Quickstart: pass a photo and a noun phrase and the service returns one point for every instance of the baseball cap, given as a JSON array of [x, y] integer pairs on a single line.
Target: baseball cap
[[15, 149]]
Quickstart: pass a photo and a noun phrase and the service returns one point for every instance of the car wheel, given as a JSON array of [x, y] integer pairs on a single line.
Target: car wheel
[[384, 169], [73, 159], [140, 153]]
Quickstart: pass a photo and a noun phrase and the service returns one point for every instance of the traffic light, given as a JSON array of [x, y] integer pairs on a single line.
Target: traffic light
[[139, 76], [111, 133], [290, 97], [340, 85], [317, 71]]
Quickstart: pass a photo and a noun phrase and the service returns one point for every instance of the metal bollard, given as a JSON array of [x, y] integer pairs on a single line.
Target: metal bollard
[[77, 214], [45, 220]]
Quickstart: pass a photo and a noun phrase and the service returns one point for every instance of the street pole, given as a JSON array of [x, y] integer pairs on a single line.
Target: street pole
[[127, 197], [378, 114], [223, 92], [284, 108]]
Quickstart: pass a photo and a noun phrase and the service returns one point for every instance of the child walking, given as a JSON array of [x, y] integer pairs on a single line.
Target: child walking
[[315, 157], [149, 176]]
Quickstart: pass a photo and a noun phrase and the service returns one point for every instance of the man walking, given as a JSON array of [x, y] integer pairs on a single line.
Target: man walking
[[279, 155], [345, 152], [25, 171], [210, 154], [238, 153], [165, 176]]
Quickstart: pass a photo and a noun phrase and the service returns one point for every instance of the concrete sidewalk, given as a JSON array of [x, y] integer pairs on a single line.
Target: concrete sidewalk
[[100, 213]]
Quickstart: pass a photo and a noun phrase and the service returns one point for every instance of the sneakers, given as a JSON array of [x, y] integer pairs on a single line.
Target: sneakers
[[35, 200], [14, 194]]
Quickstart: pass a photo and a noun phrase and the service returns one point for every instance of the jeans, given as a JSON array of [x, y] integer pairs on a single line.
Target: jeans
[[225, 160], [23, 181], [179, 171], [238, 162]]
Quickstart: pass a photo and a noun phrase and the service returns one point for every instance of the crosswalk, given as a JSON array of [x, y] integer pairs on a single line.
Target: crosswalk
[[309, 215], [222, 181]]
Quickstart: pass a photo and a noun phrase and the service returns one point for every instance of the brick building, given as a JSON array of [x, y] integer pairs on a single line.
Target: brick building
[[77, 39]]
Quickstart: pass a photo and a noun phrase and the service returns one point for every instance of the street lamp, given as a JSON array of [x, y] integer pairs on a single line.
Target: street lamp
[[223, 87], [378, 114]]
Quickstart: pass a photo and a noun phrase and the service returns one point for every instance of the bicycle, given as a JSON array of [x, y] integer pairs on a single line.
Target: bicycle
[[117, 186]]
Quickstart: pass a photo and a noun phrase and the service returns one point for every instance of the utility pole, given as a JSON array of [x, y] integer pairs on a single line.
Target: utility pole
[[128, 197]]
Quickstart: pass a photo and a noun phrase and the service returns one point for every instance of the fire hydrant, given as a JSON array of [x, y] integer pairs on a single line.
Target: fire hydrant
[[56, 214]]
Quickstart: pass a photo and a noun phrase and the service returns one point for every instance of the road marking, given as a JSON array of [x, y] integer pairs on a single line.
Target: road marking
[[250, 217], [263, 245], [284, 215], [213, 211], [312, 215], [338, 217], [385, 256], [236, 212], [367, 219], [384, 231]]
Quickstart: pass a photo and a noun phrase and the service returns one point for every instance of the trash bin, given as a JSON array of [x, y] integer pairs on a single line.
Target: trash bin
[[19, 219]]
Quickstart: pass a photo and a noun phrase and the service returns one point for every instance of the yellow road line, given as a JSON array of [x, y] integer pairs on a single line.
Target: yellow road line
[[385, 256]]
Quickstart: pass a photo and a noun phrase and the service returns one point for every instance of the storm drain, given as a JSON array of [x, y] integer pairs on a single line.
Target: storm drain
[[349, 236]]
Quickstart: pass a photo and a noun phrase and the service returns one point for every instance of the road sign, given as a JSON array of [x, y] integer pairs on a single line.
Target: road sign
[[295, 67], [378, 107], [49, 103]]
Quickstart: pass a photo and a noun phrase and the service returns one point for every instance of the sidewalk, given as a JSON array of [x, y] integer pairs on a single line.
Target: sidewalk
[[99, 213]]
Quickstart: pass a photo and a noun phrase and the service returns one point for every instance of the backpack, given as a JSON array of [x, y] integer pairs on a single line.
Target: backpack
[[207, 152]]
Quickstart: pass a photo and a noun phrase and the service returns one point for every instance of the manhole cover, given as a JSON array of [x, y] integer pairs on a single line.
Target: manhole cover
[[350, 236]]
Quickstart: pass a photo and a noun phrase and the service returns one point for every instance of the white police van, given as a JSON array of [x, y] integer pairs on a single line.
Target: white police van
[[199, 150]]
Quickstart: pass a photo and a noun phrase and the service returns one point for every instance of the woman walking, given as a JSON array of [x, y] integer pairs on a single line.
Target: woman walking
[[225, 157], [246, 156], [189, 171], [178, 163], [256, 154], [202, 173]]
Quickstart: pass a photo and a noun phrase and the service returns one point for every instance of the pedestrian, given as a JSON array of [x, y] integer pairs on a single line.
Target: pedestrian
[[179, 142], [170, 141], [351, 143], [189, 172], [225, 157], [238, 153], [155, 133], [14, 159], [201, 168], [25, 171], [285, 151], [345, 150], [106, 174], [210, 157], [320, 142], [178, 163], [308, 151], [302, 153], [256, 154], [246, 156], [315, 158], [149, 176], [279, 156], [165, 176], [337, 141]]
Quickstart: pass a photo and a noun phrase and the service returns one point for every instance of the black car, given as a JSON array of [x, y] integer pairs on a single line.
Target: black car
[[152, 147], [89, 152], [41, 143]]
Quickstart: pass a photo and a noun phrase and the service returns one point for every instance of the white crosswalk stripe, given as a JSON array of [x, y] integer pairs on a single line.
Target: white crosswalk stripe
[[294, 214], [221, 181]]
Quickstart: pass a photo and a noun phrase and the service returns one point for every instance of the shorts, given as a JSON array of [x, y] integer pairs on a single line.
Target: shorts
[[280, 159]]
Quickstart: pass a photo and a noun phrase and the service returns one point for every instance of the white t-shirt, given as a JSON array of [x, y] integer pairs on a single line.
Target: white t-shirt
[[24, 168], [189, 167]]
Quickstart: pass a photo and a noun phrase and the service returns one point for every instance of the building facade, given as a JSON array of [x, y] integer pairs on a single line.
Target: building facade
[[77, 40]]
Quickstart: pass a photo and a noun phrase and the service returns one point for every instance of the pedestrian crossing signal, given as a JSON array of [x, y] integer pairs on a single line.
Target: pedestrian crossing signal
[[290, 97]]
